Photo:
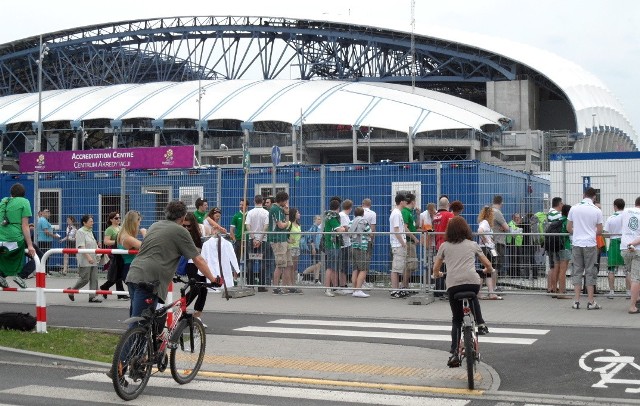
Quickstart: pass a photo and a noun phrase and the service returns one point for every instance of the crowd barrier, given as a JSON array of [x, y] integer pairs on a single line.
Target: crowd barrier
[[41, 281]]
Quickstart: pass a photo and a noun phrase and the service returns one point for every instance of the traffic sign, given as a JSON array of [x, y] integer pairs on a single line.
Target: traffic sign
[[246, 157], [275, 155]]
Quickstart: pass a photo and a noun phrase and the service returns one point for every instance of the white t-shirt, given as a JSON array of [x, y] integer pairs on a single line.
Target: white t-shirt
[[370, 216], [613, 225], [344, 221], [257, 220], [585, 217], [395, 220], [486, 238], [630, 221]]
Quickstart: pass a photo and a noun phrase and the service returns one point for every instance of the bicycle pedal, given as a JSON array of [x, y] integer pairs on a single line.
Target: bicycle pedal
[[172, 346]]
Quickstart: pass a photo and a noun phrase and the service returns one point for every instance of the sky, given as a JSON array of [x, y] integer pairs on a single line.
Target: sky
[[602, 36]]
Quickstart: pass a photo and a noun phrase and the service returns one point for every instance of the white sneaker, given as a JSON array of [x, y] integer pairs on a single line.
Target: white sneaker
[[347, 291], [359, 293], [329, 293], [367, 286], [204, 325]]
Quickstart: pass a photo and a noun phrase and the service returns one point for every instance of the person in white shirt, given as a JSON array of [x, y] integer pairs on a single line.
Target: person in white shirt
[[630, 244], [613, 227], [371, 217], [257, 222], [584, 223], [398, 240], [488, 246]]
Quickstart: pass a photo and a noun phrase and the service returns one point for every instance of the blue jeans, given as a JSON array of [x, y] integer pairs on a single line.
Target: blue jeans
[[138, 300]]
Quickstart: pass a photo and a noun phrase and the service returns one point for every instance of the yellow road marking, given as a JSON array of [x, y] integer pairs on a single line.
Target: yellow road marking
[[311, 365], [329, 382]]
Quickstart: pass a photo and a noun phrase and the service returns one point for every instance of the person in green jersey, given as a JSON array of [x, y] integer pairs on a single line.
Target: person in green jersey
[[14, 235], [277, 238]]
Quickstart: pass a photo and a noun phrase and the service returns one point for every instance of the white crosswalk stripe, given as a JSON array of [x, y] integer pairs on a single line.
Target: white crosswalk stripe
[[373, 331], [287, 394]]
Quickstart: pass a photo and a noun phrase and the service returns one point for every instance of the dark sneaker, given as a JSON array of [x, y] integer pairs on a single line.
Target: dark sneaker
[[454, 361], [278, 291], [593, 306], [396, 294], [71, 297], [483, 330], [576, 305], [95, 300]]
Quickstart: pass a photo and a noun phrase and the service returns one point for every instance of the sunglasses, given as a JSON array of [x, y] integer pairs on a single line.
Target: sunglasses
[[186, 225], [116, 218]]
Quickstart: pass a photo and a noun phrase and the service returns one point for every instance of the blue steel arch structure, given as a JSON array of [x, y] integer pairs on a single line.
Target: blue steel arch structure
[[188, 48]]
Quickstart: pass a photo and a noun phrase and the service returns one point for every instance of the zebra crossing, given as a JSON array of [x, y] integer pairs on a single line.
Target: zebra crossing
[[402, 331], [96, 387]]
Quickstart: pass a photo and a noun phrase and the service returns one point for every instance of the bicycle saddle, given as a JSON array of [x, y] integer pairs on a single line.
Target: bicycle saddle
[[464, 295]]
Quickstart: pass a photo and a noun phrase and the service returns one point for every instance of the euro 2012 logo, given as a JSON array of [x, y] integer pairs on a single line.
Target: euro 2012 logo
[[40, 161], [168, 156]]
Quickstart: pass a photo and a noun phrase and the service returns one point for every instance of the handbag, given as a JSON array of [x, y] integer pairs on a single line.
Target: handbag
[[104, 260]]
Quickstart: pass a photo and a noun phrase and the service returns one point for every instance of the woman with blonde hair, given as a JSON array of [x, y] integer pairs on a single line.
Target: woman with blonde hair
[[485, 223], [128, 238]]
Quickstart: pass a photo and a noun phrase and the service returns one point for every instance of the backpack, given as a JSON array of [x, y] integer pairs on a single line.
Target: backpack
[[538, 225], [181, 270], [553, 243], [17, 321]]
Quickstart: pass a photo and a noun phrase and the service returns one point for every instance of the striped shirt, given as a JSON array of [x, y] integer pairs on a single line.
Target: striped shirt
[[554, 215], [360, 230]]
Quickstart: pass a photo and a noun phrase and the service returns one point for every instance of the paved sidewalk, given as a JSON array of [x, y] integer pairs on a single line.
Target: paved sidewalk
[[523, 309]]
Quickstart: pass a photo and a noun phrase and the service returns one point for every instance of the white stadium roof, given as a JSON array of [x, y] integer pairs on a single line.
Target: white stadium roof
[[379, 105], [592, 102]]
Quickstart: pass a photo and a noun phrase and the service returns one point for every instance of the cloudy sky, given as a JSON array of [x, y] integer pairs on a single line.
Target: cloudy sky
[[601, 36]]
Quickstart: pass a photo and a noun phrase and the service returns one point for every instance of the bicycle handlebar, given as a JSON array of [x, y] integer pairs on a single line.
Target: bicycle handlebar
[[193, 282]]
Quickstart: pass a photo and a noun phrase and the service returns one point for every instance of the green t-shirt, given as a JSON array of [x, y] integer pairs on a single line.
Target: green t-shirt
[[236, 223], [276, 213], [407, 218], [332, 241], [199, 215], [295, 236], [112, 232], [16, 208], [165, 242]]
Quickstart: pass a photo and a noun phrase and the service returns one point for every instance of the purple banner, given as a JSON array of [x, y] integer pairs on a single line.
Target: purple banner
[[108, 159]]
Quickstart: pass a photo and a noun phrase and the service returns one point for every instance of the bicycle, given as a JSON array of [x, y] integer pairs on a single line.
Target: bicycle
[[468, 349], [141, 347]]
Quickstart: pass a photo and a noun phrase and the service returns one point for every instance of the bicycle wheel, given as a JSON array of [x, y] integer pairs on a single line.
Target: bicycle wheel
[[189, 342], [469, 354], [131, 366]]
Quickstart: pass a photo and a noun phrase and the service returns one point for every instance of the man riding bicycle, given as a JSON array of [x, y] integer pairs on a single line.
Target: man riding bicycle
[[165, 242]]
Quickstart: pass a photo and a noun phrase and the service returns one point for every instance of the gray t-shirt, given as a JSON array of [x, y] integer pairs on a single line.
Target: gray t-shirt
[[498, 223], [165, 242], [461, 262]]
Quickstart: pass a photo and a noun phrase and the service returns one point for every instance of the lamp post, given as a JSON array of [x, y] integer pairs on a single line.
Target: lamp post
[[43, 51]]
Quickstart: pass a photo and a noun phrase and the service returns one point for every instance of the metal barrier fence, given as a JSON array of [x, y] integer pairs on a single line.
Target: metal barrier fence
[[523, 269]]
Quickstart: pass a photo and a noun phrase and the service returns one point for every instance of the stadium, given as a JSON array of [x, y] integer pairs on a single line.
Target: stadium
[[324, 91]]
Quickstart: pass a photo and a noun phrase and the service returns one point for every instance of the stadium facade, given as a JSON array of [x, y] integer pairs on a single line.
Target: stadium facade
[[324, 91]]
